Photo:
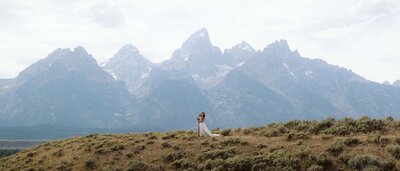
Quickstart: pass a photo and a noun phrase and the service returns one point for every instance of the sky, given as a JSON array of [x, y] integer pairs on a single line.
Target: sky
[[361, 35]]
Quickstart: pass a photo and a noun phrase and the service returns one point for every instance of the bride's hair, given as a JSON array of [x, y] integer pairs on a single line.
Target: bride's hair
[[202, 114]]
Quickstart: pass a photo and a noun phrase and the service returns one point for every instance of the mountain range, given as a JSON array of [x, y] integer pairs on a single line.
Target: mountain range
[[236, 87]]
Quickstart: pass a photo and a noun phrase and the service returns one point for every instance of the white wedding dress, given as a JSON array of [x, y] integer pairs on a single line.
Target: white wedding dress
[[204, 130]]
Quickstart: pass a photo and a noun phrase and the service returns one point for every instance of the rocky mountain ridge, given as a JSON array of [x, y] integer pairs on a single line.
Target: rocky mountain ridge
[[240, 86]]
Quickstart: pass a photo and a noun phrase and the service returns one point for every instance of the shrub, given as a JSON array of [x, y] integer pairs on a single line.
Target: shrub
[[323, 125], [117, 147], [237, 163], [326, 137], [181, 163], [374, 138], [296, 136], [259, 166], [336, 148], [136, 166], [351, 142], [360, 162], [323, 161], [281, 159], [226, 132], [101, 151], [173, 156], [394, 151], [215, 130], [300, 142], [378, 139], [271, 132], [165, 145], [58, 153], [64, 166], [371, 168], [215, 154], [176, 147], [168, 135], [204, 142], [315, 168], [261, 146], [298, 125], [231, 141], [344, 158], [291, 136], [153, 137], [150, 142], [90, 164], [140, 147], [397, 140], [258, 159], [384, 140], [129, 155], [340, 130], [99, 145], [248, 131], [388, 164], [302, 153], [30, 154], [365, 125], [238, 129], [282, 129], [212, 164], [92, 136], [389, 118]]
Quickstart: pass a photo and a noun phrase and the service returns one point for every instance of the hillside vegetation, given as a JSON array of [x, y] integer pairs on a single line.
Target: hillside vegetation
[[346, 144]]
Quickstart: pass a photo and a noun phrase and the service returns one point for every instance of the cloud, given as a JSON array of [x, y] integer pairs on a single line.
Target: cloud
[[355, 34], [10, 14], [107, 14]]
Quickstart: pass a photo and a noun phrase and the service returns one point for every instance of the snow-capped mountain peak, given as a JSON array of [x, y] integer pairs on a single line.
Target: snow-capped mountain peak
[[128, 65], [278, 47], [80, 50], [200, 34], [238, 54], [386, 83], [397, 83], [129, 48], [244, 46], [200, 38]]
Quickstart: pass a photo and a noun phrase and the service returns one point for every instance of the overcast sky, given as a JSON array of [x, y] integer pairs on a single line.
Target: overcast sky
[[361, 35]]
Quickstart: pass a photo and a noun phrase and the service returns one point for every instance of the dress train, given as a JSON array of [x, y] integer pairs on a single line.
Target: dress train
[[204, 130]]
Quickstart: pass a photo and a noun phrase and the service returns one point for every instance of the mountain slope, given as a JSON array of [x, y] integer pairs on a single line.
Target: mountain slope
[[130, 66], [397, 83], [197, 57], [240, 87], [314, 87], [238, 54], [241, 100], [67, 88], [171, 96]]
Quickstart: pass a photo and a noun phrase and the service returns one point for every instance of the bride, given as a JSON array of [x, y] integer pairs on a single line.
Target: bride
[[202, 128]]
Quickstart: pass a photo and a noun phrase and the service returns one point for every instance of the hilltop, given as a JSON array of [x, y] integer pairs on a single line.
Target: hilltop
[[330, 144]]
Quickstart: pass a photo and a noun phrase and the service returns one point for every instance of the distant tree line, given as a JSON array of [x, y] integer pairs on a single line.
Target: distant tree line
[[8, 152]]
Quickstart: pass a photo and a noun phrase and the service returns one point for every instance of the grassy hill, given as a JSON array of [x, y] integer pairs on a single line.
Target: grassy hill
[[347, 144]]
